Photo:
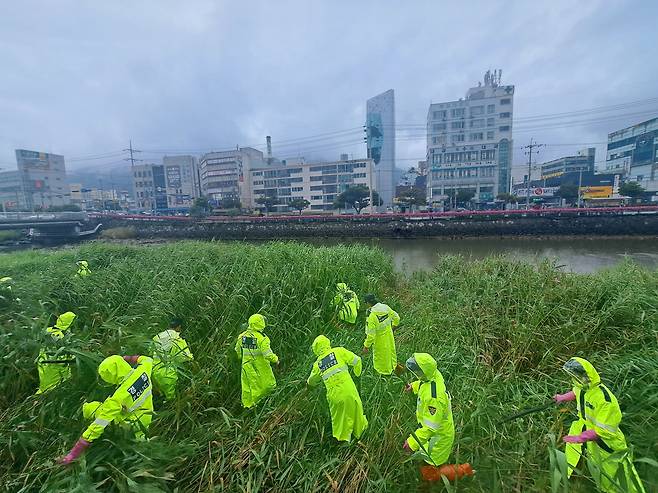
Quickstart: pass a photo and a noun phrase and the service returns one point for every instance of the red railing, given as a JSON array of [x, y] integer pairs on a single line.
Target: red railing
[[388, 216]]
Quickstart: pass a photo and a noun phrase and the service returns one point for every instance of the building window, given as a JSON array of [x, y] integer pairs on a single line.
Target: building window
[[457, 125], [457, 112], [504, 128], [457, 138], [258, 173], [437, 127], [476, 136], [439, 114], [316, 197], [505, 101], [258, 182], [359, 175], [490, 135], [477, 123], [491, 122], [316, 188], [504, 115], [491, 109], [297, 189], [316, 178], [477, 110]]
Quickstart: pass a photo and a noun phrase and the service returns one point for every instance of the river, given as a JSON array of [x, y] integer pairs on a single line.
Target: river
[[575, 255]]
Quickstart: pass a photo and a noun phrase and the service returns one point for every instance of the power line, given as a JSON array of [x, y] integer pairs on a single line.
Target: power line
[[131, 158]]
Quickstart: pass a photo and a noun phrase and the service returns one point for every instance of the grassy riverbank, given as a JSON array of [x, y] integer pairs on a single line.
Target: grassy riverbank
[[499, 330]]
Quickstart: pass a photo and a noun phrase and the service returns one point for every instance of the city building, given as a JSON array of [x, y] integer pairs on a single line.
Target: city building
[[582, 161], [380, 131], [319, 183], [469, 142], [633, 153], [591, 186], [98, 199], [39, 183], [143, 187], [181, 180], [222, 174]]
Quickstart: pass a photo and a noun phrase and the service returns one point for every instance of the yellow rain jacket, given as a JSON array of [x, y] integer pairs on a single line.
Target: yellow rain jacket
[[433, 413], [54, 363], [379, 334], [253, 348], [598, 410], [346, 303], [170, 351], [131, 402], [332, 367], [83, 268]]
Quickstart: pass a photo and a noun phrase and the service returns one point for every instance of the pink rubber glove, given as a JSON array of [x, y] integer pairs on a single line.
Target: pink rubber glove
[[407, 388], [406, 446], [569, 396], [365, 350], [78, 449], [131, 359], [585, 436]]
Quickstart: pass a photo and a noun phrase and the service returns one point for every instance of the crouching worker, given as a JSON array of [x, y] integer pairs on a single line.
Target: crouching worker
[[131, 403], [332, 367], [346, 303], [597, 427], [433, 411], [170, 352], [54, 362]]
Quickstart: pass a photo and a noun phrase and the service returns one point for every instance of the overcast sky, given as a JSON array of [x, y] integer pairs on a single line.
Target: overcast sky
[[82, 78]]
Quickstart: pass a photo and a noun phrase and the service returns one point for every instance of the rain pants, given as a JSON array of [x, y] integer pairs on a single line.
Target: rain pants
[[170, 351], [433, 413], [346, 303], [131, 402], [83, 268], [54, 363], [253, 349], [332, 367], [598, 410], [379, 334]]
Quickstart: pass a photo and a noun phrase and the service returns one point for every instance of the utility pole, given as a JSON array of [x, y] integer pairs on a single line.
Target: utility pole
[[131, 158], [530, 149]]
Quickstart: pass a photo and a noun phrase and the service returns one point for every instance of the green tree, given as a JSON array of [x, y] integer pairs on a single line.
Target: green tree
[[200, 207], [267, 202], [299, 204], [358, 197], [508, 198], [412, 196], [631, 189], [568, 191], [464, 196], [230, 203]]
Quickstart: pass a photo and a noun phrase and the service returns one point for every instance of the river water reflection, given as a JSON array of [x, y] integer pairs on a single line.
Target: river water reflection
[[575, 255]]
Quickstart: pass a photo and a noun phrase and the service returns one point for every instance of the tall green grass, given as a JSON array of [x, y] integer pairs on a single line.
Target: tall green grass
[[500, 332]]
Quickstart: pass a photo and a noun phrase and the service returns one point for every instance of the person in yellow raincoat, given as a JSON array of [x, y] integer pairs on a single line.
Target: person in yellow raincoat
[[83, 268], [131, 403], [436, 434], [170, 351], [609, 460], [54, 362], [332, 367], [346, 303], [379, 334], [253, 349]]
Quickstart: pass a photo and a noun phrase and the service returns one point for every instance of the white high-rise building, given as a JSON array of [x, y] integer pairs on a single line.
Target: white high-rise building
[[469, 143], [380, 127], [224, 175], [43, 179]]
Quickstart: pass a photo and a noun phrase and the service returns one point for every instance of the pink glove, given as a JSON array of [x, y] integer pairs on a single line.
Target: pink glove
[[365, 350], [407, 388], [585, 436], [406, 446], [78, 449], [569, 396], [131, 359]]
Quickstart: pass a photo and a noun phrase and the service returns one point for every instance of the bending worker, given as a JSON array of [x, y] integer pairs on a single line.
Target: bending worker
[[332, 367], [610, 462], [83, 268], [379, 334], [433, 411], [346, 303], [131, 402], [253, 349], [170, 351], [54, 362]]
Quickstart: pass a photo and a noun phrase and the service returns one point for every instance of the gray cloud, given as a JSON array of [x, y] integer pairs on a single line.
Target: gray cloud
[[82, 78]]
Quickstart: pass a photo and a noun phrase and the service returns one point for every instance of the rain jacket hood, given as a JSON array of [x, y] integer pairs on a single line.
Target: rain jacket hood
[[114, 369], [341, 286], [65, 320], [427, 364], [257, 322], [320, 345], [82, 263], [592, 374]]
